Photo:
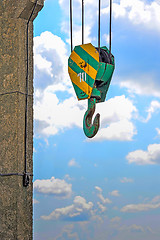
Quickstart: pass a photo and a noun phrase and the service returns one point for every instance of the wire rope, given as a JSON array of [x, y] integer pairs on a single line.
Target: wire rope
[[71, 25], [110, 27], [99, 25], [82, 21]]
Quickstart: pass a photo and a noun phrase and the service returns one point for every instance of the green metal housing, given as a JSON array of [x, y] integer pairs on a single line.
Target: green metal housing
[[90, 76]]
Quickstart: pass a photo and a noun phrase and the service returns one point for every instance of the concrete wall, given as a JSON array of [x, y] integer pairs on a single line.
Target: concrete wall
[[15, 199]]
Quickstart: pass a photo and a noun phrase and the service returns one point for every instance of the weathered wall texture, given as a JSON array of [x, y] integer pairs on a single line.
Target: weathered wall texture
[[15, 200]]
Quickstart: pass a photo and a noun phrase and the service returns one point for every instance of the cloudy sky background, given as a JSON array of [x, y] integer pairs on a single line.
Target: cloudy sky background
[[106, 187]]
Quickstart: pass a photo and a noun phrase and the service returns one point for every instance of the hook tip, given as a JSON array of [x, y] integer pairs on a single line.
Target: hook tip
[[91, 130]]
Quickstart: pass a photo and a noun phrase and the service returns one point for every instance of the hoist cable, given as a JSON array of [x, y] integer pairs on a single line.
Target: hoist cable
[[110, 25], [99, 25], [82, 21], [71, 24]]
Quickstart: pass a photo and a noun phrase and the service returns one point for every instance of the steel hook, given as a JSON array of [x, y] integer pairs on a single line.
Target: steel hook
[[90, 129]]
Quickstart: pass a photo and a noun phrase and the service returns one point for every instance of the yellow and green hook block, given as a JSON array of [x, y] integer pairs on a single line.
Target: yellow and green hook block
[[91, 71]]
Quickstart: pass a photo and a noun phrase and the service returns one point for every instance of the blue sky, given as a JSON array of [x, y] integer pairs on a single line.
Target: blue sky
[[106, 187]]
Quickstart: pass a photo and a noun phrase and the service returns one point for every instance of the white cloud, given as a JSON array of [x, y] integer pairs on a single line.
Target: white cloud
[[50, 114], [68, 233], [34, 150], [140, 157], [115, 219], [35, 201], [154, 106], [118, 10], [80, 210], [73, 163], [136, 231], [98, 189], [115, 193], [101, 207], [105, 37], [101, 197], [140, 207], [54, 186], [77, 35], [89, 19], [132, 228], [123, 130], [158, 131], [50, 61], [153, 204], [126, 180], [116, 124], [137, 12], [43, 65], [156, 199], [104, 200], [68, 177], [55, 115], [141, 84]]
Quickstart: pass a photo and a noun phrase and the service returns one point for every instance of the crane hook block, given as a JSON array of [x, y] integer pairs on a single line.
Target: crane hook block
[[90, 70]]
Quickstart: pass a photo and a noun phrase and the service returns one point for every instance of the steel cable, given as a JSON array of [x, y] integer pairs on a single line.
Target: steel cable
[[99, 25], [82, 21], [110, 29], [71, 25]]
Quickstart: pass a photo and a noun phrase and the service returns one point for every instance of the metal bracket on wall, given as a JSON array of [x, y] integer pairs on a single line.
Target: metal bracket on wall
[[25, 175]]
